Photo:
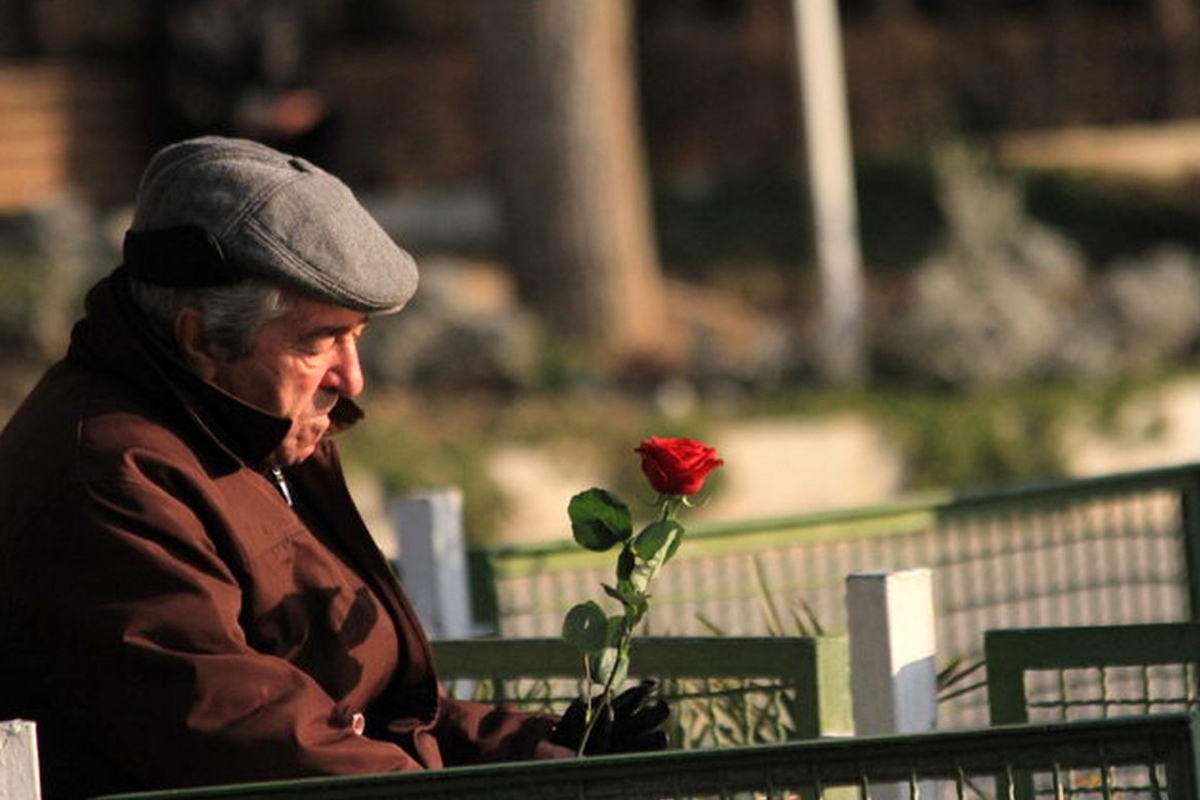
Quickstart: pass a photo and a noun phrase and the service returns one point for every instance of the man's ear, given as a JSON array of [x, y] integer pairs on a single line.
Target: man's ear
[[195, 347]]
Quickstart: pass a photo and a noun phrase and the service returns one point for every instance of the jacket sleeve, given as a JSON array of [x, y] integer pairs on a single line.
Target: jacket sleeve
[[470, 732], [126, 619]]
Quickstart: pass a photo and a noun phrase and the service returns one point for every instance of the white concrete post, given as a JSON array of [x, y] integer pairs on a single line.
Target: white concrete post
[[893, 647], [433, 561], [19, 777]]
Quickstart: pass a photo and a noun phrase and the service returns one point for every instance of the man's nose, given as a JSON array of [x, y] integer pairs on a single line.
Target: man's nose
[[346, 371]]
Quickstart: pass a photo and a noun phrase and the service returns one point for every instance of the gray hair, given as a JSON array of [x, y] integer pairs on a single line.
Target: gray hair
[[232, 315]]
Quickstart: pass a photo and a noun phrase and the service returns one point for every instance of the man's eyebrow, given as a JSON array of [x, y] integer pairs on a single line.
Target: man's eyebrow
[[334, 330]]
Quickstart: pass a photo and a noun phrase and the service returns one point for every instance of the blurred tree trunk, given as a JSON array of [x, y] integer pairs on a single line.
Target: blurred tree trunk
[[1068, 54], [560, 85], [18, 30], [889, 12], [1178, 22]]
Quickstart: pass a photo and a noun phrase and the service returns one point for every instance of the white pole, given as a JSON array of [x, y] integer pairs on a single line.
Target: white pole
[[433, 561], [893, 647], [841, 348], [19, 778]]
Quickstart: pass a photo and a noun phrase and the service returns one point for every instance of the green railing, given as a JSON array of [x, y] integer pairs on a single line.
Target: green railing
[[723, 690], [1108, 550], [1147, 757], [1102, 671]]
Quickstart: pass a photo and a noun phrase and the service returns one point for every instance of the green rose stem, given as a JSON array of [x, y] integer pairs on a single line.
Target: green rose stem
[[635, 608], [599, 522], [676, 468]]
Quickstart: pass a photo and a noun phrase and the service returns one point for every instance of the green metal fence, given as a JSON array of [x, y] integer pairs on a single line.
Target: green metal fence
[[1109, 550], [1132, 758], [1046, 674], [723, 690]]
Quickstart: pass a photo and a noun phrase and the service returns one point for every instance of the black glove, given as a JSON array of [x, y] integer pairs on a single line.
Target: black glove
[[630, 725]]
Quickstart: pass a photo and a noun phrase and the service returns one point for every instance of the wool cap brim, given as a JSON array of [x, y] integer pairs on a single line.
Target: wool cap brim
[[262, 213]]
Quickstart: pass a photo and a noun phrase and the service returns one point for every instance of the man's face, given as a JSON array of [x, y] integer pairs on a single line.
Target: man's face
[[298, 367]]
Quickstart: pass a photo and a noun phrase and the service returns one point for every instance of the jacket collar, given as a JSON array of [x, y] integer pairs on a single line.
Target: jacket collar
[[114, 334]]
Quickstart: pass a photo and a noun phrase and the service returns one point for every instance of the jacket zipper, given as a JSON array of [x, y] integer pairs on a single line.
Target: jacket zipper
[[281, 484]]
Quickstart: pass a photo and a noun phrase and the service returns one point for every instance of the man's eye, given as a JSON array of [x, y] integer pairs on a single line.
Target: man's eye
[[319, 345]]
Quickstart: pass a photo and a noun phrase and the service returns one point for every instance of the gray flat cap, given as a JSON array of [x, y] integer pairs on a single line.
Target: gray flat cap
[[214, 209]]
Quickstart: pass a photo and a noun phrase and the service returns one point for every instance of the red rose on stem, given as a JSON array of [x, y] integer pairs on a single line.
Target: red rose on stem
[[677, 466]]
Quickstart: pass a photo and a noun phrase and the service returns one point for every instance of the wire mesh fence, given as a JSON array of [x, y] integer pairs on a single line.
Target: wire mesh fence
[[1083, 552], [1111, 691], [1088, 672], [723, 691]]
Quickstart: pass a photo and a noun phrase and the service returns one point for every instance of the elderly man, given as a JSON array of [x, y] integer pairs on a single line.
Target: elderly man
[[187, 593]]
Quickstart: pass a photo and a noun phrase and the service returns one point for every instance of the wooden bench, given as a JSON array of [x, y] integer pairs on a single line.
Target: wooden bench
[[19, 760], [1147, 757]]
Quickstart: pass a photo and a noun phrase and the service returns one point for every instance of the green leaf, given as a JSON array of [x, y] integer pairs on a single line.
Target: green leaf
[[622, 593], [646, 553], [599, 520], [626, 563], [659, 540], [586, 627], [614, 629], [610, 661], [637, 609], [630, 596], [640, 579], [633, 575], [607, 662], [674, 546]]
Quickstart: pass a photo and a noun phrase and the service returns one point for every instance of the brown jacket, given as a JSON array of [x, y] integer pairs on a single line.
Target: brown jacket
[[169, 620]]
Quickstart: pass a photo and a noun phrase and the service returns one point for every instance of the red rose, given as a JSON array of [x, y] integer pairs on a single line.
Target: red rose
[[677, 466]]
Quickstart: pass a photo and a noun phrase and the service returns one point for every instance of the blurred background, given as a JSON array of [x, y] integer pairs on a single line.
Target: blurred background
[[864, 248]]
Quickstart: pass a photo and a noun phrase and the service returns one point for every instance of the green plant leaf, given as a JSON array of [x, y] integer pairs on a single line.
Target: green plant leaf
[[610, 662], [659, 540], [636, 609], [639, 581], [623, 593], [599, 520], [626, 563], [586, 627]]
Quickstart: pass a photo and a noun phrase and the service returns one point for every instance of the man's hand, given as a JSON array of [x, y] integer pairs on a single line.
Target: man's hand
[[631, 724]]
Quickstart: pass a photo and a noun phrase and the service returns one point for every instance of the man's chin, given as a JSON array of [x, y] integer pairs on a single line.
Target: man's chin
[[300, 445], [289, 455]]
